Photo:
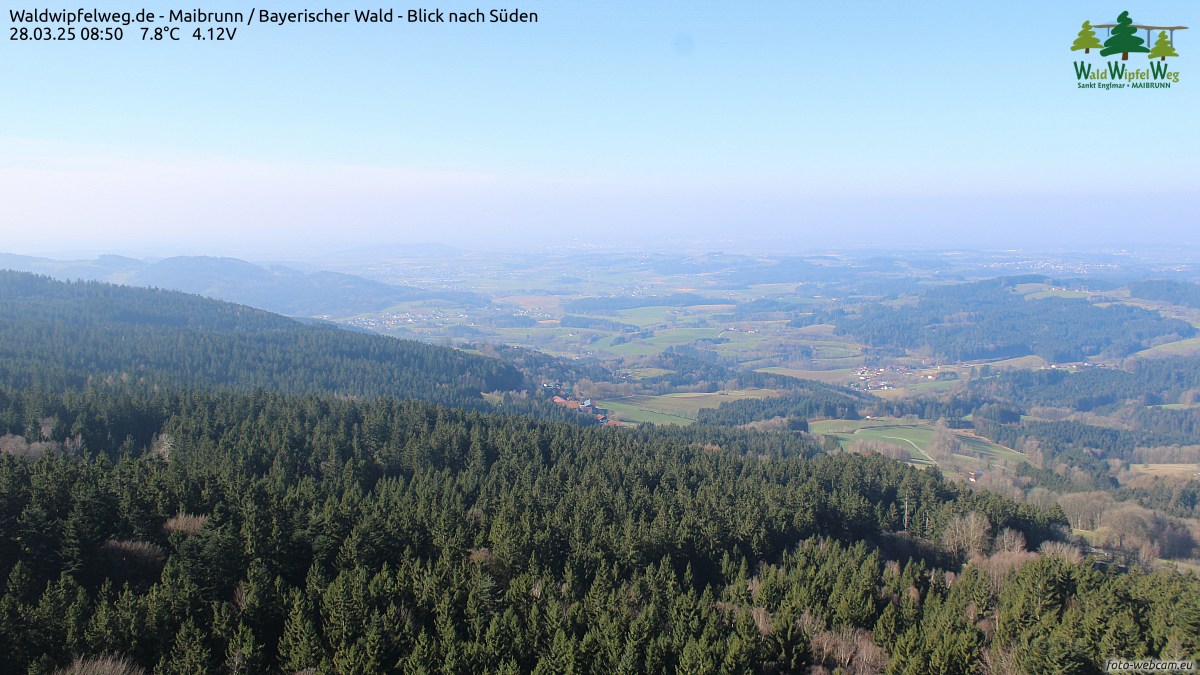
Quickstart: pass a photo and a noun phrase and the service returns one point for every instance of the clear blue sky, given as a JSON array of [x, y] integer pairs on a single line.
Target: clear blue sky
[[817, 123]]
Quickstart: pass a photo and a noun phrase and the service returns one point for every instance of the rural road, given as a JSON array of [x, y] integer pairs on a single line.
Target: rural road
[[915, 446]]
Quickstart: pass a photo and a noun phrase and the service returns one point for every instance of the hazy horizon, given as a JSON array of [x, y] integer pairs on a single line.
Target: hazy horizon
[[797, 125], [344, 257]]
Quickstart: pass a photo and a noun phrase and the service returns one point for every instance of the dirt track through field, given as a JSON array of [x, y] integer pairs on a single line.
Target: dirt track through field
[[896, 438]]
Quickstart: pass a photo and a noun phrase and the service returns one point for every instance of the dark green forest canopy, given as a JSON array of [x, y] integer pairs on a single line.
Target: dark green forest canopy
[[988, 319], [807, 400], [1147, 382], [1173, 292], [58, 335], [327, 530], [196, 492]]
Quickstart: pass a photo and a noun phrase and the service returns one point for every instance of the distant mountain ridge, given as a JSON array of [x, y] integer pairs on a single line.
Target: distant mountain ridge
[[57, 336], [275, 288]]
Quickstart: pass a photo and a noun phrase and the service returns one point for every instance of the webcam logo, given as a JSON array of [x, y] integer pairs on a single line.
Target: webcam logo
[[1123, 38]]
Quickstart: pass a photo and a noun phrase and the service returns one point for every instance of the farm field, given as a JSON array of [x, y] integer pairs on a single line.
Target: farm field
[[636, 348], [676, 408], [646, 373], [1178, 348], [988, 449], [682, 336], [923, 387], [1181, 471], [914, 437], [1181, 565], [1039, 291], [631, 411], [545, 302], [641, 316], [850, 426], [1021, 362], [1176, 406]]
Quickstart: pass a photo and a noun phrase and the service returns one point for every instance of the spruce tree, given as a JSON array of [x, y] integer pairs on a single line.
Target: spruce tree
[[887, 626], [1124, 39], [244, 654], [1162, 48], [1087, 41], [362, 657], [189, 656], [300, 647]]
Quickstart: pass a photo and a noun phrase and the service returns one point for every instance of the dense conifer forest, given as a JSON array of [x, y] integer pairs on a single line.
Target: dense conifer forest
[[57, 335], [987, 319], [1174, 292], [811, 401], [281, 532], [188, 486]]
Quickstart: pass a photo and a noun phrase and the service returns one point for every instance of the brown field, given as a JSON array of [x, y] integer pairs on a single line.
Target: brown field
[[822, 329], [1183, 471]]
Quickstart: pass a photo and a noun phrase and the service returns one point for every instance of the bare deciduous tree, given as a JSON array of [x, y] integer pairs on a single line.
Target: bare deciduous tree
[[1061, 549], [1000, 565], [848, 650], [967, 533], [1086, 510], [108, 664], [1009, 541], [945, 442]]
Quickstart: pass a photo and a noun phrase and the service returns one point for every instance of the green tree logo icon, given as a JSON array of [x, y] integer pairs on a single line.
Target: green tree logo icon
[[1163, 47], [1087, 40], [1124, 39]]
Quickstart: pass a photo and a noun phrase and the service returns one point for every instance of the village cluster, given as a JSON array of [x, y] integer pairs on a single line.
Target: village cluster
[[562, 396]]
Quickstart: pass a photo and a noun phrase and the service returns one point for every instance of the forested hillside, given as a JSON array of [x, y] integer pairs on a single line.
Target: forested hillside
[[806, 400], [987, 319], [275, 288], [190, 486], [278, 533], [1173, 292], [57, 335], [1148, 381]]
